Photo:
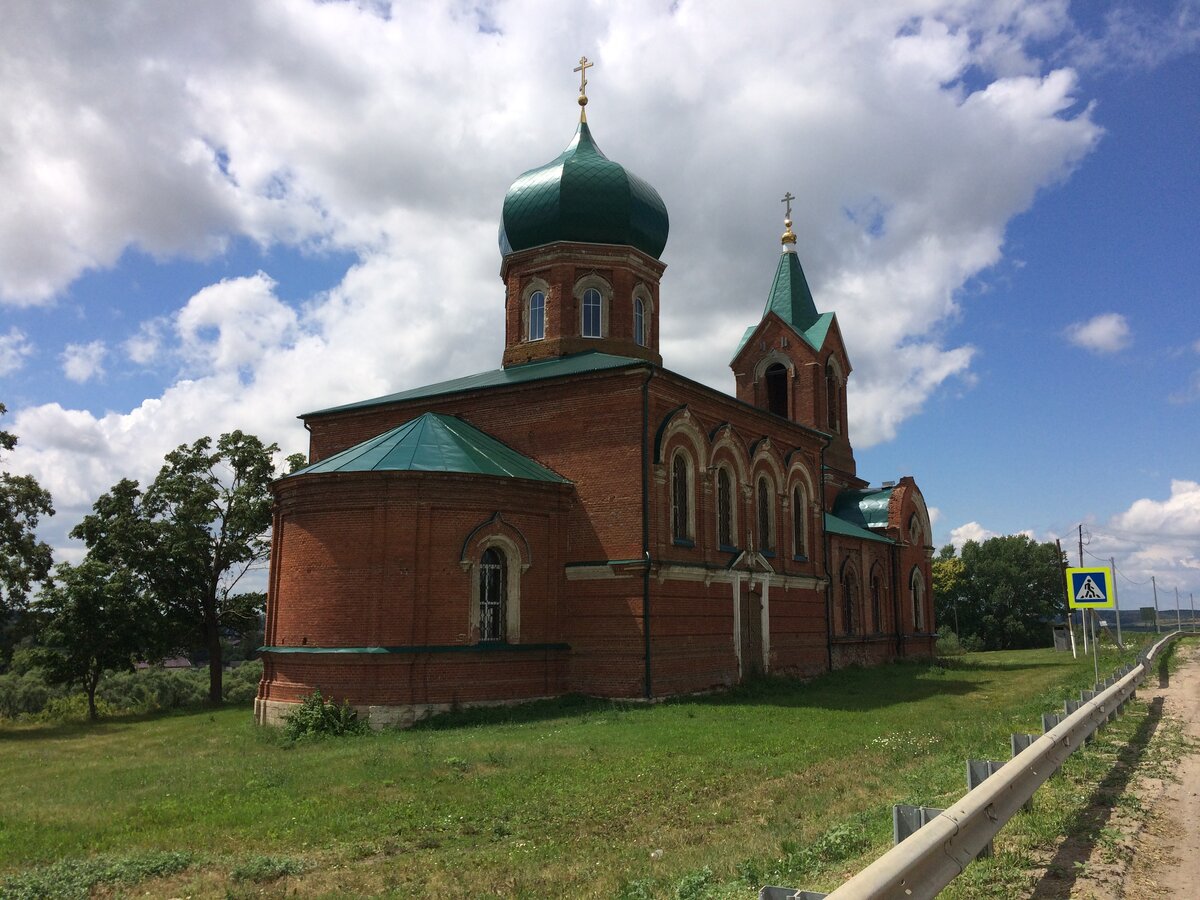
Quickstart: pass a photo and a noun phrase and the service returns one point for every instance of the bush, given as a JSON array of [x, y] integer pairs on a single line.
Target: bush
[[240, 685], [152, 689], [948, 643], [26, 693], [316, 716]]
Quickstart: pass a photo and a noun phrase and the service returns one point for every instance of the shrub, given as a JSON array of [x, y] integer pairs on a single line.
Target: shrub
[[26, 693], [948, 643], [316, 716], [266, 868], [240, 685]]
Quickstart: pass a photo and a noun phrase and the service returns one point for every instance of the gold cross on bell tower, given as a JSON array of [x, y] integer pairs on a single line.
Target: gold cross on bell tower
[[789, 237], [582, 68]]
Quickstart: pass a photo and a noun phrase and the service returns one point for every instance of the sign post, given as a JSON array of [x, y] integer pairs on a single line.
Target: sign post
[[1091, 588]]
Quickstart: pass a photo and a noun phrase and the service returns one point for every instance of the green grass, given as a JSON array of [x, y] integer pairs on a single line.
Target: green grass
[[777, 782]]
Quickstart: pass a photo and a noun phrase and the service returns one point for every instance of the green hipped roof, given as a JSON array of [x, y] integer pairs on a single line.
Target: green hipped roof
[[790, 298], [434, 443], [867, 509], [575, 364], [834, 525], [583, 196]]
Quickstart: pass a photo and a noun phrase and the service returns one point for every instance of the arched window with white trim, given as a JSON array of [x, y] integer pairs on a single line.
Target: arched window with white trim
[[593, 313], [535, 316], [493, 595]]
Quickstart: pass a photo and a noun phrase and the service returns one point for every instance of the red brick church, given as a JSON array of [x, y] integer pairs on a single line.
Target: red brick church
[[583, 519]]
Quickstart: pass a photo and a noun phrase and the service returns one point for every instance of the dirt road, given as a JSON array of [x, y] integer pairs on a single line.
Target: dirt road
[[1146, 844]]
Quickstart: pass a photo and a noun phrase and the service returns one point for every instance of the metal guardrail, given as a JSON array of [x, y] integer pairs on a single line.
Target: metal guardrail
[[937, 853]]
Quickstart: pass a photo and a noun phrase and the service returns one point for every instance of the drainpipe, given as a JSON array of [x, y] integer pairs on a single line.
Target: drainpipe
[[649, 693]]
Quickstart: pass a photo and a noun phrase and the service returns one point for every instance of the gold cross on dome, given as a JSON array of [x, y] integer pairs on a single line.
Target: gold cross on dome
[[582, 68], [788, 198]]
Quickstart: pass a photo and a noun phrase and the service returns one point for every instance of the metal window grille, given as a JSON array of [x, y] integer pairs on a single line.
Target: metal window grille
[[765, 540], [591, 313], [639, 322], [679, 505], [537, 316], [492, 595], [799, 511], [724, 508]]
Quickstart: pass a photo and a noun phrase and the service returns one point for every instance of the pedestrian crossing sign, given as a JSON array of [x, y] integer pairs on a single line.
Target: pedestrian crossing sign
[[1090, 588]]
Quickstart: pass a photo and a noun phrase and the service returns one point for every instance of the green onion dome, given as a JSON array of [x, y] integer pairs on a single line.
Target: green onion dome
[[586, 197]]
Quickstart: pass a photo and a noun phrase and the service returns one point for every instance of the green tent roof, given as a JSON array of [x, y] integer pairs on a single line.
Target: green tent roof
[[582, 195], [434, 443], [575, 364], [790, 297]]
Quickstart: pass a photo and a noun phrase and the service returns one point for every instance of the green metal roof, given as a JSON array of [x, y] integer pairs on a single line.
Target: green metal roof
[[815, 333], [835, 525], [582, 195], [575, 364], [790, 297], [434, 443], [868, 509]]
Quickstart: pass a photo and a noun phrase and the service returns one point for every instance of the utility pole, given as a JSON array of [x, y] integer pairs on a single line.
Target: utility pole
[[1154, 587], [1178, 618], [1063, 572], [1192, 597], [1083, 613], [1116, 603]]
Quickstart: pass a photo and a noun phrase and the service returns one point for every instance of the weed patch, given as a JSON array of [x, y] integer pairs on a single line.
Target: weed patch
[[75, 878]]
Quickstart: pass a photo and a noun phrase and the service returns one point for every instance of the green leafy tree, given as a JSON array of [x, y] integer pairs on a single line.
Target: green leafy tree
[[1008, 591], [24, 560], [947, 571], [94, 617], [192, 535]]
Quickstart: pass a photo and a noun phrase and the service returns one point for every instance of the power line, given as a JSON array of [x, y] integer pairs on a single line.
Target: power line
[[1119, 572]]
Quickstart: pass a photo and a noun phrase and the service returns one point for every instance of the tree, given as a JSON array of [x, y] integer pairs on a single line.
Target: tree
[[24, 560], [94, 617], [1007, 591], [947, 572], [192, 535]]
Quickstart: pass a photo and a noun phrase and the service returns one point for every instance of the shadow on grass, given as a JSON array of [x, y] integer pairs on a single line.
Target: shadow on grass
[[853, 689], [1086, 827]]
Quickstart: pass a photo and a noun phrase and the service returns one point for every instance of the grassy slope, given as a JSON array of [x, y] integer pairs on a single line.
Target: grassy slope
[[779, 782]]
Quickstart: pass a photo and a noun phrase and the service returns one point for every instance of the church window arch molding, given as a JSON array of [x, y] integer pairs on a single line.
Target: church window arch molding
[[835, 396], [878, 590], [726, 507], [916, 590], [534, 309], [593, 296], [495, 556], [800, 495], [643, 315], [849, 584], [776, 372], [764, 509], [683, 497]]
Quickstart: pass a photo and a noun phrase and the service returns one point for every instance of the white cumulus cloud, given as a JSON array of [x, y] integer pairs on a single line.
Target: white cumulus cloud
[[83, 362], [15, 348], [1105, 333]]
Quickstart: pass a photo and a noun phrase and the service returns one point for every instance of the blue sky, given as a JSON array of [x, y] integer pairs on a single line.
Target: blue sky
[[217, 221]]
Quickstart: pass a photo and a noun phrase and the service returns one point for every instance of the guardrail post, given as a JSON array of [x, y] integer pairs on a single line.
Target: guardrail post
[[907, 820], [979, 771], [1021, 742]]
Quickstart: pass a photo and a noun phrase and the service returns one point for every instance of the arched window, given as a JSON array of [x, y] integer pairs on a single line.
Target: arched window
[[766, 517], [593, 307], [537, 316], [639, 321], [680, 497], [876, 601], [916, 583], [915, 535], [849, 599], [833, 397], [724, 508], [493, 591], [799, 523], [777, 389]]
